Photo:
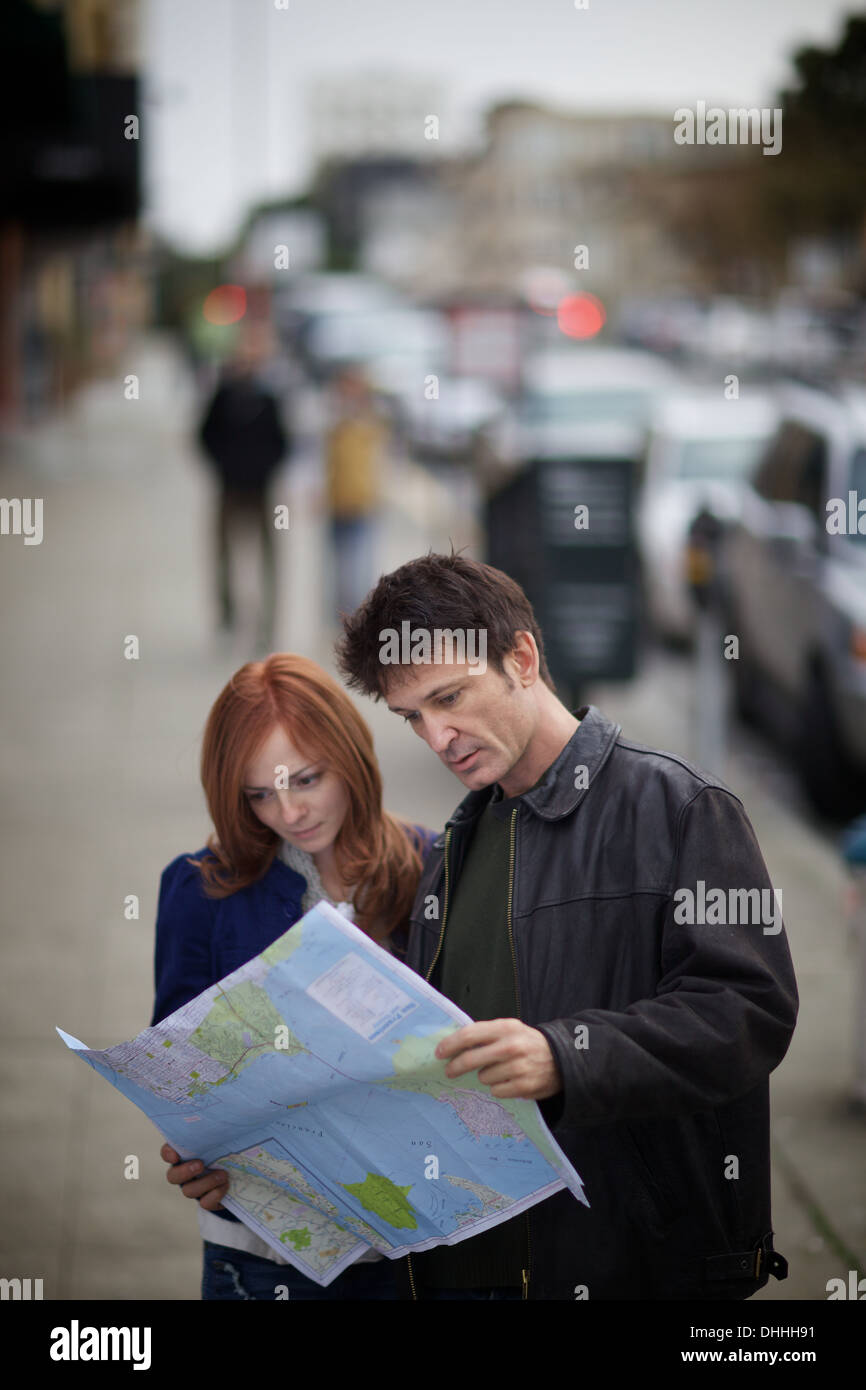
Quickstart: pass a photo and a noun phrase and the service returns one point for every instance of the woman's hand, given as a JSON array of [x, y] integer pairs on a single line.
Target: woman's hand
[[206, 1185]]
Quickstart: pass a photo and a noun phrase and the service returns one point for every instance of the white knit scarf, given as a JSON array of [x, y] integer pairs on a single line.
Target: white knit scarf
[[302, 862]]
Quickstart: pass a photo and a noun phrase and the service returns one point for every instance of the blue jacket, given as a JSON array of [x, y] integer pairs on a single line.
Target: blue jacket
[[199, 940]]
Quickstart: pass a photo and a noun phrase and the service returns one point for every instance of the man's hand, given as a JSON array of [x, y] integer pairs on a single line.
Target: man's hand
[[514, 1060], [207, 1185]]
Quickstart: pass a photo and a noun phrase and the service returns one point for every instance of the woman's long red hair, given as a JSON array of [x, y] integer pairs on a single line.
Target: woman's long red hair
[[373, 851]]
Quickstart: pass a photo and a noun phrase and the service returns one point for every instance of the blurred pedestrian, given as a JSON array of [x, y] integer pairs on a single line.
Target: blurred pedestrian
[[244, 437], [354, 455]]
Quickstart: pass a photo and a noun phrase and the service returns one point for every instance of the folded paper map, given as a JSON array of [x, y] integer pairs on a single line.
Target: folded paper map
[[309, 1075]]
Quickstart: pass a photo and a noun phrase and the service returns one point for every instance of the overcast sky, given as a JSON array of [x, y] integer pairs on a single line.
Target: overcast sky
[[227, 80]]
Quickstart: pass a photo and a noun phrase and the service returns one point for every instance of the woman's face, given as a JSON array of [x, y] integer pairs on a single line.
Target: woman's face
[[310, 803]]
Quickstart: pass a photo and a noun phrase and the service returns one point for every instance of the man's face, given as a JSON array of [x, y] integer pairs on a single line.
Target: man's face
[[478, 725]]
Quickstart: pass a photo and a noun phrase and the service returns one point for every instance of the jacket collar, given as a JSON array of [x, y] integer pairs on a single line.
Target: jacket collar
[[556, 795]]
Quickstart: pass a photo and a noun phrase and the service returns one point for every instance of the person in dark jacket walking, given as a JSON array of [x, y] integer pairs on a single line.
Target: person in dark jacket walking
[[243, 437], [603, 911]]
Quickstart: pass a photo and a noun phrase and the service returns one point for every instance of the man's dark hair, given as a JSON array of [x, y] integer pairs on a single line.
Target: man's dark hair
[[436, 591]]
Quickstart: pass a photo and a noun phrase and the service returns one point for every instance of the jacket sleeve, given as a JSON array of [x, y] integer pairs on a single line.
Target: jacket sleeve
[[725, 1006], [184, 922]]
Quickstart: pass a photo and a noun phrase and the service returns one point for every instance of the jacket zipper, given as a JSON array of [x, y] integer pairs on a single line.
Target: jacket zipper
[[427, 978], [524, 1273]]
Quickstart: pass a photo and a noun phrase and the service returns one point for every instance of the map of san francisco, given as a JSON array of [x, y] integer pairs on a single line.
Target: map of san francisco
[[310, 1075]]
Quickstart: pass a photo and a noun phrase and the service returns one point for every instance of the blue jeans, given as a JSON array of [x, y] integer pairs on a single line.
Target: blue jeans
[[354, 543], [235, 1275]]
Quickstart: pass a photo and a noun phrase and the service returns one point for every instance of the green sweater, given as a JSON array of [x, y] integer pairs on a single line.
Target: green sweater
[[476, 970]]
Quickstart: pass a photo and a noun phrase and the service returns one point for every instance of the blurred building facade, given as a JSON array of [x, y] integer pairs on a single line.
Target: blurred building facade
[[370, 113], [549, 182], [590, 195], [73, 260]]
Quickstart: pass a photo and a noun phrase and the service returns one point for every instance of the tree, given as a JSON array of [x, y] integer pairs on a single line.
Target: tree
[[819, 184]]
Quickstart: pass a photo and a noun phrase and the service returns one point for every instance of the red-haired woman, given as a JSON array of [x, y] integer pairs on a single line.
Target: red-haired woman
[[295, 795]]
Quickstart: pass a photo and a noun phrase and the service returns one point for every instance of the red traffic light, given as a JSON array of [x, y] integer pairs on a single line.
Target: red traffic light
[[580, 315], [225, 304]]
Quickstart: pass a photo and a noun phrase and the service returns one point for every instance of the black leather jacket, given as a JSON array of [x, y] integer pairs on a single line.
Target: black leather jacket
[[664, 1110]]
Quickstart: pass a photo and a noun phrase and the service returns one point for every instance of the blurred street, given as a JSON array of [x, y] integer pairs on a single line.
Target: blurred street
[[99, 758]]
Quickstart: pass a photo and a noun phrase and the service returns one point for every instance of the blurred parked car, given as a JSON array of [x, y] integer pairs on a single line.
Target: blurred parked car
[[700, 450], [310, 302], [578, 402], [396, 345], [664, 324], [446, 428], [796, 592]]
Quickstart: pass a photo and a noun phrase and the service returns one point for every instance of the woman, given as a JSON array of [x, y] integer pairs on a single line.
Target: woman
[[295, 795], [355, 450]]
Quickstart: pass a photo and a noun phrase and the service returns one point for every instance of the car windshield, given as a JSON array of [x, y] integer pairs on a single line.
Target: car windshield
[[718, 458], [585, 407], [857, 485]]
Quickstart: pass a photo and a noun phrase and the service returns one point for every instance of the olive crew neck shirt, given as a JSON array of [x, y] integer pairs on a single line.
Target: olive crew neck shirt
[[477, 971]]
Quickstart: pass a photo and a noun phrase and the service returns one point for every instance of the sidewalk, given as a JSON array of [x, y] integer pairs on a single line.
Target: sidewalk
[[100, 766]]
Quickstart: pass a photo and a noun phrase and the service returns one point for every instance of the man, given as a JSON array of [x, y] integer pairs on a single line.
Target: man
[[244, 438], [604, 912]]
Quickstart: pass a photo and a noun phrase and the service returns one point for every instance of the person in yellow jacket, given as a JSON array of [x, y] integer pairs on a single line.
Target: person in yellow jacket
[[354, 459]]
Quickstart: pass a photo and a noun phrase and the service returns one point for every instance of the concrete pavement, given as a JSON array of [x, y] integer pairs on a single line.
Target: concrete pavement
[[99, 762]]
